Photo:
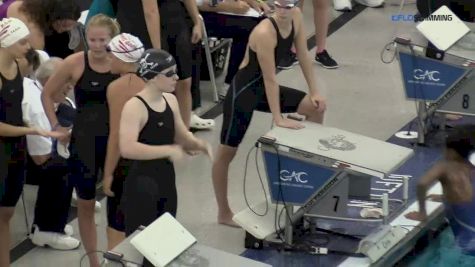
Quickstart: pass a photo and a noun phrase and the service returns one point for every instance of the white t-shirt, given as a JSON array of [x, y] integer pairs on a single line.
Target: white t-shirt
[[35, 116]]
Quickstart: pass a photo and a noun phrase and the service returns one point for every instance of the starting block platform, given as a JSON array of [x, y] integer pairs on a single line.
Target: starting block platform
[[409, 162]]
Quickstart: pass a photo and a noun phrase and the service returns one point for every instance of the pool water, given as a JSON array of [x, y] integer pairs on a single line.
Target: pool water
[[443, 252]]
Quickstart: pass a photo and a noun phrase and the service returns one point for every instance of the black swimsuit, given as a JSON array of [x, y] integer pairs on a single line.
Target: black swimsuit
[[150, 188], [12, 149], [247, 93], [90, 132]]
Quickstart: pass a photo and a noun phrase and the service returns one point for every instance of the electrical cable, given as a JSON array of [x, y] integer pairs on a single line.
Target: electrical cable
[[387, 47], [87, 254], [260, 179], [280, 196], [262, 183], [104, 253]]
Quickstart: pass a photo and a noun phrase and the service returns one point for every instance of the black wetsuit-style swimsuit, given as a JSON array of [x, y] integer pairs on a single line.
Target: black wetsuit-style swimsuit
[[247, 93]]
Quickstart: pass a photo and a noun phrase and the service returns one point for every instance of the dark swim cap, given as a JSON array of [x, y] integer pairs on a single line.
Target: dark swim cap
[[462, 140], [152, 62]]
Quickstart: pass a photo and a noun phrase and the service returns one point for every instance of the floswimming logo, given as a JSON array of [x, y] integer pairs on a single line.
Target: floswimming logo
[[419, 18], [298, 177], [426, 75]]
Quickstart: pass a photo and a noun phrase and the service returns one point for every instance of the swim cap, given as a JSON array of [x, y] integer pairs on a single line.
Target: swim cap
[[461, 139], [126, 47], [153, 61], [12, 30]]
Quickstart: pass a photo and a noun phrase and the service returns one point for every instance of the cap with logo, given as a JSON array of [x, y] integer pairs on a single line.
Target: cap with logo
[[126, 47], [153, 61], [12, 30]]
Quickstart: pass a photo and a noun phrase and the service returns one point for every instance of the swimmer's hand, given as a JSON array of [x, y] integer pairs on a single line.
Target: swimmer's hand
[[288, 123], [203, 147], [65, 135], [107, 185], [176, 153], [53, 134], [416, 216], [196, 33], [318, 102]]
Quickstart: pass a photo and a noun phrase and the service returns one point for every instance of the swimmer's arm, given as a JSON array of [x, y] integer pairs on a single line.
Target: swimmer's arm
[[225, 6], [115, 103], [302, 53], [152, 21], [183, 136], [265, 54], [193, 12], [133, 118], [8, 130], [432, 176], [60, 77]]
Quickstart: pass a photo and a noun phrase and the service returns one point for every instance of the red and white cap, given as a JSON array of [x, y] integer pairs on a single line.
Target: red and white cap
[[126, 47], [12, 30]]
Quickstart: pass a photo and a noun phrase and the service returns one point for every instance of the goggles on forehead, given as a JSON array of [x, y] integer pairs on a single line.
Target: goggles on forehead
[[285, 6], [109, 49]]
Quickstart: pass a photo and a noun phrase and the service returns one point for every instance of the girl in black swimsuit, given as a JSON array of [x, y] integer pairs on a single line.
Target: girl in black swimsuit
[[90, 72], [255, 88], [153, 135], [13, 44]]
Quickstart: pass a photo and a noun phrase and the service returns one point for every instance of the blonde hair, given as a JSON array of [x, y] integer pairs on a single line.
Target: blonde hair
[[102, 20]]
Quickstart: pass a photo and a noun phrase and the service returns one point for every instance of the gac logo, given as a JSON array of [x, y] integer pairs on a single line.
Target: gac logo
[[294, 176], [423, 75]]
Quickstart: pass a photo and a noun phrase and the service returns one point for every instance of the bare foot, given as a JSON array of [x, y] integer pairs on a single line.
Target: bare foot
[[453, 117], [227, 220]]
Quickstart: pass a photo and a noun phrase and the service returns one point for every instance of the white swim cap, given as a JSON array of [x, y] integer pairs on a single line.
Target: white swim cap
[[126, 47], [12, 30]]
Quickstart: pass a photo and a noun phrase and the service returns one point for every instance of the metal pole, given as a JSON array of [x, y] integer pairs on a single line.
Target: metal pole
[[385, 200], [288, 224], [421, 129]]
